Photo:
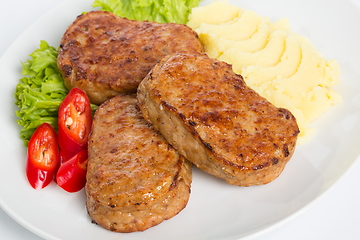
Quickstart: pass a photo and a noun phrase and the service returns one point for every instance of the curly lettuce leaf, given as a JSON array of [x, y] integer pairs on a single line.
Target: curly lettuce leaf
[[161, 11], [40, 92]]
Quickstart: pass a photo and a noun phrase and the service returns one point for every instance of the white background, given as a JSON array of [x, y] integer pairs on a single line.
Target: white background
[[337, 216]]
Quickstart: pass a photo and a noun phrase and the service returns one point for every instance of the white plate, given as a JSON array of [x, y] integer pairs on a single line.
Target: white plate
[[215, 210]]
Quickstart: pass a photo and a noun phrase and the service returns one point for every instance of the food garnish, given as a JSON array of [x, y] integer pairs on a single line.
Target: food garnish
[[161, 11], [74, 123], [71, 175], [45, 162], [43, 156], [40, 92]]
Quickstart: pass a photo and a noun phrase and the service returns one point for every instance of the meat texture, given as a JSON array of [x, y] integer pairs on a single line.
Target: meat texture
[[135, 179], [106, 55], [209, 114]]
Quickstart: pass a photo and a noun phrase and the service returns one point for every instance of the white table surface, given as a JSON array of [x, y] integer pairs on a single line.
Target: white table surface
[[337, 216]]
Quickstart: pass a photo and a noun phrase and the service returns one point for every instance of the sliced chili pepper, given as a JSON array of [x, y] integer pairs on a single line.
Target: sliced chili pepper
[[74, 122], [71, 175], [43, 156]]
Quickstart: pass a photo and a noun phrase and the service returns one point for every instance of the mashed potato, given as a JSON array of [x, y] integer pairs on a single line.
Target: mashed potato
[[280, 65]]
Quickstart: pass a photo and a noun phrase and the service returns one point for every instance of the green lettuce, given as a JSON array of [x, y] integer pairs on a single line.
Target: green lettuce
[[161, 11], [40, 92]]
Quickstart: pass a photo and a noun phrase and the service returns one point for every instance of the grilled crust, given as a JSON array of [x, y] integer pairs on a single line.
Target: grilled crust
[[106, 55], [135, 179], [216, 121]]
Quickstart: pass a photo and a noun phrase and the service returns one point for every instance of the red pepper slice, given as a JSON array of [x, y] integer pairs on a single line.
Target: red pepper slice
[[74, 122], [71, 175], [64, 156], [43, 156]]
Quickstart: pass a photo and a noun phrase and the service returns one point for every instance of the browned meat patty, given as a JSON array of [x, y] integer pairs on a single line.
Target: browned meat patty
[[135, 179], [106, 55], [216, 121]]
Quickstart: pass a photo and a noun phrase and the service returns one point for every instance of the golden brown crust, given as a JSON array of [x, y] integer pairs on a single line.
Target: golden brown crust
[[222, 126], [106, 55], [135, 179]]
